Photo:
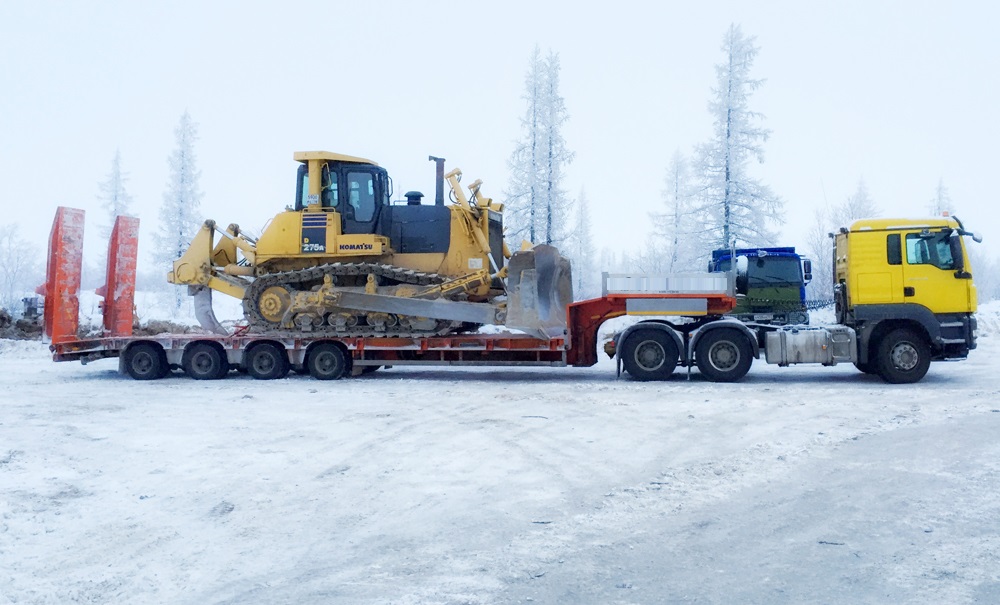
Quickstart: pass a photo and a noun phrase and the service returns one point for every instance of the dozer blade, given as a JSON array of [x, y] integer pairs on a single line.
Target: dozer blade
[[539, 288]]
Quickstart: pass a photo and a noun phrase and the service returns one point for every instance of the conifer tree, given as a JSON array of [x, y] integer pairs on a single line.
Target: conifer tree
[[538, 207], [179, 214], [737, 207]]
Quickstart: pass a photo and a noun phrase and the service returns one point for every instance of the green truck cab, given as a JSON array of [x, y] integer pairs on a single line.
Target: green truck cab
[[770, 284]]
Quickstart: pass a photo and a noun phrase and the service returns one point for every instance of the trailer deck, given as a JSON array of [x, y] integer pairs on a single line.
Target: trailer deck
[[270, 355]]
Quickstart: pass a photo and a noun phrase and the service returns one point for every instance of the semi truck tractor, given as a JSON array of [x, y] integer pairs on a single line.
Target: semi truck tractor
[[905, 297]]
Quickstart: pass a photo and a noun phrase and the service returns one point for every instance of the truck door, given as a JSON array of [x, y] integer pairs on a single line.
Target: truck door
[[930, 273]]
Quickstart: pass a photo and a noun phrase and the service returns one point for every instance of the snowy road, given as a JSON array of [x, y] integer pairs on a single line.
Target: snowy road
[[498, 486]]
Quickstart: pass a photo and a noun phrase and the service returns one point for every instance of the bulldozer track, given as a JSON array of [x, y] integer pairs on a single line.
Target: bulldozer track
[[303, 279]]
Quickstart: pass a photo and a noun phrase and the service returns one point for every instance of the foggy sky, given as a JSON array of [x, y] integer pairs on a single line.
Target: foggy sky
[[901, 94]]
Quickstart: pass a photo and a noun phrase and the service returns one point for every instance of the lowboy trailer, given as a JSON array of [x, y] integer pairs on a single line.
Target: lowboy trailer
[[684, 325]]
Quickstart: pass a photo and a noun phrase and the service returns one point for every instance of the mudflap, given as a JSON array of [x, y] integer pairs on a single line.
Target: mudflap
[[539, 289], [204, 312]]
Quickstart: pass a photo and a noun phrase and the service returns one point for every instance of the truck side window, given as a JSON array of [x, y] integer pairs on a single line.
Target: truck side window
[[894, 250], [929, 250]]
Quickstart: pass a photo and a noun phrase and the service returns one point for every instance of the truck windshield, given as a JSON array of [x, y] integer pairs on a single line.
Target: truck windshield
[[774, 270]]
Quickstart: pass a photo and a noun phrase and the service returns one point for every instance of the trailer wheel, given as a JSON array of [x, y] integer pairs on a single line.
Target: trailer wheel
[[724, 355], [145, 361], [205, 361], [267, 361], [326, 361], [649, 355], [903, 357]]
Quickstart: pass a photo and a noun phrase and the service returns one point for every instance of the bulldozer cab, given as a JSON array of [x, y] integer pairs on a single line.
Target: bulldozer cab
[[355, 188]]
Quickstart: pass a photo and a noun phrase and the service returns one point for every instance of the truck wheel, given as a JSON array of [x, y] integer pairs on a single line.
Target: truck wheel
[[867, 367], [903, 357], [649, 355], [205, 361], [326, 362], [724, 355], [267, 361], [145, 361]]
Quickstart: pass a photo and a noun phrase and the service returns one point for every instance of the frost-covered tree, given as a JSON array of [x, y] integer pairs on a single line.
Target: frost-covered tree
[[581, 251], [857, 206], [677, 230], [941, 203], [986, 272], [179, 214], [19, 268], [115, 200], [537, 202], [828, 219], [738, 208], [819, 246]]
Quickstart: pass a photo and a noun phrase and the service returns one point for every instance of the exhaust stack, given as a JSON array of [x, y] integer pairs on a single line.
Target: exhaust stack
[[439, 180]]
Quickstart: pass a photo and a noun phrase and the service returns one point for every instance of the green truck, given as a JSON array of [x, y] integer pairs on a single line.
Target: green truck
[[770, 284]]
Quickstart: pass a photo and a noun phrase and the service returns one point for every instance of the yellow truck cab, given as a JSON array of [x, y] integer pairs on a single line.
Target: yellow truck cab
[[906, 288]]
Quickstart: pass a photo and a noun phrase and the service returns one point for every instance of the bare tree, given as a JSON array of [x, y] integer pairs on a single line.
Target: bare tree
[[739, 209]]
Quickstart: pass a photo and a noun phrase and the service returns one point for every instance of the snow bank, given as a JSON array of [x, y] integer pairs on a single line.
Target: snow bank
[[988, 316]]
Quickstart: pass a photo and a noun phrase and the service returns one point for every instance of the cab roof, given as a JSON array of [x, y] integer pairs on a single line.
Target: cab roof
[[891, 224], [305, 156]]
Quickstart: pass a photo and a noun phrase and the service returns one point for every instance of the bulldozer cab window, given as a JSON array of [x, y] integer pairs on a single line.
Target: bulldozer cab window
[[329, 197], [929, 249], [361, 195]]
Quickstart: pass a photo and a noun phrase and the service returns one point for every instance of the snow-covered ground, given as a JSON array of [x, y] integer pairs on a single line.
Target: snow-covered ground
[[796, 485]]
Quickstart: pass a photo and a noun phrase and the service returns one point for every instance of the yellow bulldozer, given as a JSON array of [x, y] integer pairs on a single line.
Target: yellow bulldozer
[[346, 260]]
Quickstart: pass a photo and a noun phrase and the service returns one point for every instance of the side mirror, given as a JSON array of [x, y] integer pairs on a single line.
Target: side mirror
[[957, 259], [807, 270]]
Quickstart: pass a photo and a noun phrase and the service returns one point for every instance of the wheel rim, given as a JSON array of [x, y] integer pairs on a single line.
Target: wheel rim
[[264, 363], [724, 355], [326, 362], [650, 356], [202, 362], [905, 356], [142, 363]]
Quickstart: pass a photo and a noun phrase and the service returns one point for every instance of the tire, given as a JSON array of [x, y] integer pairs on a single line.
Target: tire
[[840, 303], [903, 357], [724, 355], [145, 361], [869, 367], [326, 361], [205, 361], [649, 355], [267, 361]]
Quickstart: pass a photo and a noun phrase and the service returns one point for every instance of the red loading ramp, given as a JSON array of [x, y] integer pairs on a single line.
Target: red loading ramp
[[62, 275], [119, 287]]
